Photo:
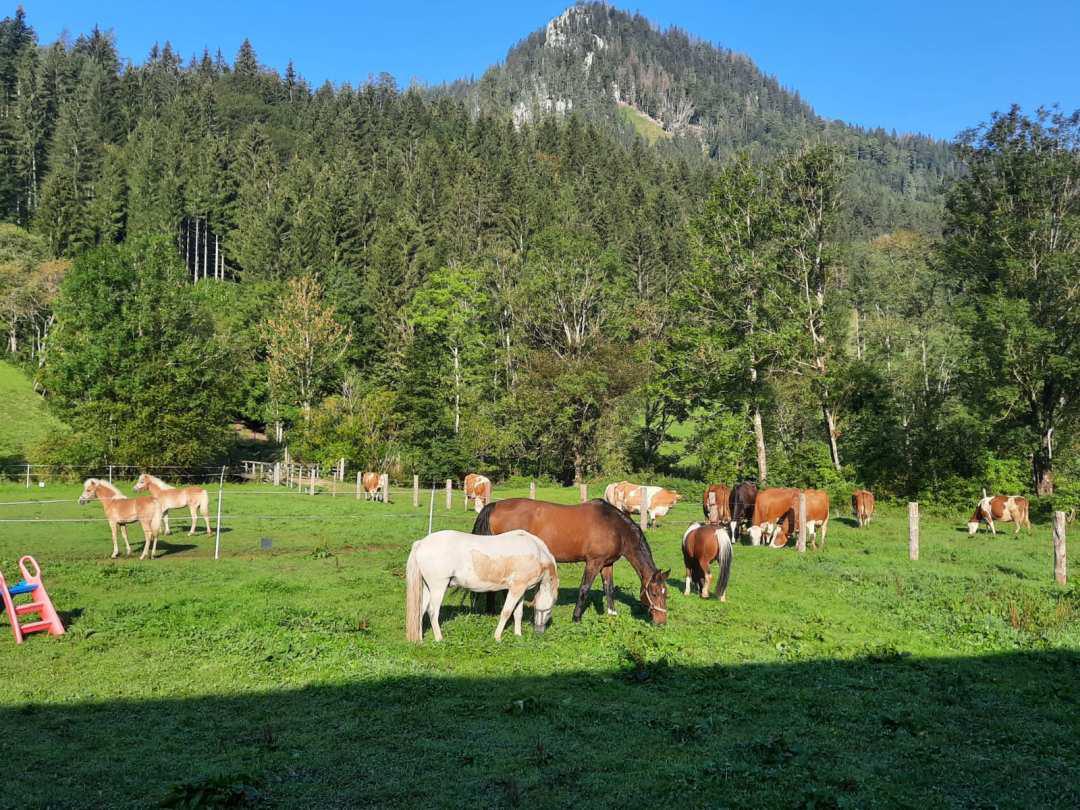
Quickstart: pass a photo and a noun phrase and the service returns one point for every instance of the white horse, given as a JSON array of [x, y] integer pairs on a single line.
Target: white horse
[[513, 562]]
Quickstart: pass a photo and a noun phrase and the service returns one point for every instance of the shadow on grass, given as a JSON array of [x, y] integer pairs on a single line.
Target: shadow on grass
[[884, 729]]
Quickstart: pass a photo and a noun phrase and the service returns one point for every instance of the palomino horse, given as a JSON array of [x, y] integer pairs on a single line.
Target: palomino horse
[[700, 546], [121, 510], [196, 499], [595, 533], [514, 562]]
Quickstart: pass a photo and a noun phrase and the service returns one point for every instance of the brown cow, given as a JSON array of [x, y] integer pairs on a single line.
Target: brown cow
[[1007, 509], [477, 487], [774, 516], [722, 501], [615, 494], [817, 514], [371, 482], [862, 504]]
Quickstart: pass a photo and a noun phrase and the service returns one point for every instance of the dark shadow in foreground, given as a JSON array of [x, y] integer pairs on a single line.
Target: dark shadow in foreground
[[886, 730]]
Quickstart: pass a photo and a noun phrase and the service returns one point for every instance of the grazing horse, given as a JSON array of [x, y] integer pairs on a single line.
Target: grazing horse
[[722, 503], [595, 533], [1007, 509], [514, 561], [741, 506], [196, 499], [121, 510], [700, 546], [477, 487]]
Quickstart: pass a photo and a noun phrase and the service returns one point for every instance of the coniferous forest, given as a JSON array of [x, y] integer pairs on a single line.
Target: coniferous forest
[[622, 250]]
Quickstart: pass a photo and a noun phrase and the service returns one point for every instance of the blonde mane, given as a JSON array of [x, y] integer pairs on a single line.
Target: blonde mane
[[157, 482], [115, 493]]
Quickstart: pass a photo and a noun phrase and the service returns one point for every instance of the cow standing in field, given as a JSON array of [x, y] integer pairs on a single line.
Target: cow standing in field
[[1005, 508], [773, 518], [658, 501], [722, 501], [615, 494], [478, 488], [862, 504], [371, 482], [741, 506], [817, 514]]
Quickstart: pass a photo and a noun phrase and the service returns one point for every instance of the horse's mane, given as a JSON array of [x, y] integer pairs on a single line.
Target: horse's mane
[[157, 481], [640, 544], [114, 490]]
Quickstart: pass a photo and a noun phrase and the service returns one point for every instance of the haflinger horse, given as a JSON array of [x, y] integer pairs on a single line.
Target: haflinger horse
[[1007, 509], [477, 487], [701, 545], [121, 510], [196, 499], [514, 561], [595, 533]]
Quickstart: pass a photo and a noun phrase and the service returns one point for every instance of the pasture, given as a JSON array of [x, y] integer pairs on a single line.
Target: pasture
[[849, 677]]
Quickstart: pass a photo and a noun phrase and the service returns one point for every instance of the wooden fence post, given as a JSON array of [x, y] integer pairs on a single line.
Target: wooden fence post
[[532, 490], [449, 494], [277, 473], [110, 473], [1061, 574], [341, 469], [314, 471], [217, 526], [714, 512], [416, 491], [357, 485], [800, 542], [28, 476], [913, 530], [643, 518], [384, 481], [583, 490]]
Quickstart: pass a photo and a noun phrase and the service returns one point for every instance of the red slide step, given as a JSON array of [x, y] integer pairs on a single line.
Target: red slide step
[[34, 627], [31, 607]]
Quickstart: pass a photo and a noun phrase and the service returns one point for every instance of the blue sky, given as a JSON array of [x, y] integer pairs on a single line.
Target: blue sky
[[933, 67]]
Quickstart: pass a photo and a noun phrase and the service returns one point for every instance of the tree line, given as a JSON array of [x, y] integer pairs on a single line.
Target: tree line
[[392, 277]]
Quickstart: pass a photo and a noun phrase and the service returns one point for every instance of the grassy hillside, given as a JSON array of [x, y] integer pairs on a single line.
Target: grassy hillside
[[644, 126], [849, 677], [25, 419]]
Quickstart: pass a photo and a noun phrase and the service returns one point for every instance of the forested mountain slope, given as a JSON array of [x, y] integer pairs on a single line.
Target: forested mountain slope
[[603, 63]]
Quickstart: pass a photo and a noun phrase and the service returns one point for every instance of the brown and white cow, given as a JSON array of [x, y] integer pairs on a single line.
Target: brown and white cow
[[1005, 508], [722, 503], [862, 504], [615, 494], [658, 501], [371, 482], [817, 514], [774, 516], [477, 487]]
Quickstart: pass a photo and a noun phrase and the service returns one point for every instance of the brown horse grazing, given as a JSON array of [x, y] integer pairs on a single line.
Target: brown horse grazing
[[196, 499], [121, 510], [700, 546], [595, 533]]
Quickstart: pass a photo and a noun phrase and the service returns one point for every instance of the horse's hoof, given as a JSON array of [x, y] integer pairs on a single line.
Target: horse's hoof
[[114, 556]]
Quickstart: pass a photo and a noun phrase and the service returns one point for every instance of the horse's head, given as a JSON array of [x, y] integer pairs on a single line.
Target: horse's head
[[973, 523], [142, 483], [89, 490], [654, 596], [545, 598]]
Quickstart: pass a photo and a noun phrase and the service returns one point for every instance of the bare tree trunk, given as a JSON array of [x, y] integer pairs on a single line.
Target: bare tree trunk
[[830, 424], [1043, 465], [457, 388], [759, 442], [205, 251]]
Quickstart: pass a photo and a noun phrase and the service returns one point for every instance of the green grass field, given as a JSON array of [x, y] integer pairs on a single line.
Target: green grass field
[[25, 419], [644, 126], [849, 677]]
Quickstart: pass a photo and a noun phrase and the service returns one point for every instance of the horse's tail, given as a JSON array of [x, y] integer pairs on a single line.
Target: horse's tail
[[203, 502], [156, 517], [483, 520], [723, 557], [414, 592]]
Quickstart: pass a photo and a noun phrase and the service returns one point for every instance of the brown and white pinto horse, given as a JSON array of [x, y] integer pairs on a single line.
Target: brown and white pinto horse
[[1007, 509], [196, 499], [722, 498], [862, 504], [477, 487], [701, 545], [595, 533], [121, 510]]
